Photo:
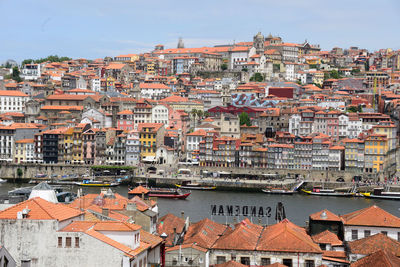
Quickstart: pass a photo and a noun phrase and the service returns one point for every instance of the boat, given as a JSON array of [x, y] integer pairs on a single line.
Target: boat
[[319, 191], [194, 186], [278, 191], [2, 181], [168, 193], [379, 193], [93, 183]]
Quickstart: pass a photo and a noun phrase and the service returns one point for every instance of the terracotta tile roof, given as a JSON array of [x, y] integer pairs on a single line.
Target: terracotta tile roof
[[334, 254], [62, 107], [199, 132], [245, 236], [371, 244], [12, 93], [116, 226], [371, 216], [230, 263], [86, 201], [41, 209], [204, 233], [153, 86], [186, 246], [276, 264], [328, 216], [139, 190], [150, 239], [378, 259], [167, 223], [327, 237], [286, 236]]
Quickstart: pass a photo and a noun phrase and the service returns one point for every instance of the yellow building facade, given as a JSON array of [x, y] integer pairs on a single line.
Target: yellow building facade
[[376, 148]]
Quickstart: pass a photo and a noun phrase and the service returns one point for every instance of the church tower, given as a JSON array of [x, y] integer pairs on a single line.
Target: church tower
[[258, 43], [180, 43]]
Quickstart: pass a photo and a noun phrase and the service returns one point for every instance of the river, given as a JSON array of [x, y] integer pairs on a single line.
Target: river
[[297, 207]]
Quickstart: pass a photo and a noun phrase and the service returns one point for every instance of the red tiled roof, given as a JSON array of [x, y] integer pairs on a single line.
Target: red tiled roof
[[139, 190], [371, 244], [286, 236], [41, 209], [204, 233], [380, 258], [327, 237], [328, 216], [167, 223], [230, 263], [371, 216]]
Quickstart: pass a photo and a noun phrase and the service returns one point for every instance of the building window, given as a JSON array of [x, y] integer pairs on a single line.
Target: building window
[[367, 233], [221, 259], [245, 260], [265, 261], [68, 241], [60, 242], [384, 232], [354, 234], [287, 262], [309, 263], [77, 242]]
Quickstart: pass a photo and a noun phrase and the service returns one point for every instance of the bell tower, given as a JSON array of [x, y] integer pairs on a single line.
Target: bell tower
[[258, 43]]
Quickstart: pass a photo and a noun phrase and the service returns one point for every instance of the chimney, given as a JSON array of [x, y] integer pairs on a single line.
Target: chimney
[[182, 215], [142, 195], [259, 220], [104, 211]]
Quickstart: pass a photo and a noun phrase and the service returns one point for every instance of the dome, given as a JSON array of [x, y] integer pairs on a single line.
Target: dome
[[259, 36], [44, 191]]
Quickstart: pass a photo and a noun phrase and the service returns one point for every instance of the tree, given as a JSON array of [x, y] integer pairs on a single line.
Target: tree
[[50, 58], [244, 119], [15, 74], [335, 74], [352, 109], [200, 114], [19, 172], [224, 66], [257, 77], [206, 114]]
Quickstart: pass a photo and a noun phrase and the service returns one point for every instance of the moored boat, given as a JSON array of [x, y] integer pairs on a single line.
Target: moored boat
[[93, 183], [278, 191], [194, 186], [145, 192], [319, 191], [168, 193], [378, 193]]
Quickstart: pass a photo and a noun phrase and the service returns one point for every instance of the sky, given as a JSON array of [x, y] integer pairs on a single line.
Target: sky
[[98, 28]]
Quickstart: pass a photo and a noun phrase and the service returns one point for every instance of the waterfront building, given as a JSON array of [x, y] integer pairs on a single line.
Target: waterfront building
[[370, 221], [354, 155], [132, 148], [151, 136], [192, 144], [24, 151], [376, 148]]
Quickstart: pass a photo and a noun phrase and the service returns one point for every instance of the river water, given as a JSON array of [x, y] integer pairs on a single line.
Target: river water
[[297, 207]]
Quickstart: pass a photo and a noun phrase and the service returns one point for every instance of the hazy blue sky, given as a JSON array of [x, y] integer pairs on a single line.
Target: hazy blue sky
[[99, 28]]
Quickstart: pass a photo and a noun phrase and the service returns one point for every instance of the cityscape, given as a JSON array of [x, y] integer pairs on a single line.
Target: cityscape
[[199, 145]]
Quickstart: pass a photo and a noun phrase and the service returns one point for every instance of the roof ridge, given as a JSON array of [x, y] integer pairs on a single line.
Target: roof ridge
[[37, 203]]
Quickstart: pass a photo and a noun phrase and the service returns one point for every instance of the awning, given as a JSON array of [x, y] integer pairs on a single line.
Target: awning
[[149, 159]]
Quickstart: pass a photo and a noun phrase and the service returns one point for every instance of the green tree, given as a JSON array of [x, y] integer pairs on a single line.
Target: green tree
[[50, 58], [352, 109], [206, 114], [245, 69], [200, 114], [335, 74], [257, 77], [19, 172], [224, 66], [244, 119], [15, 74]]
